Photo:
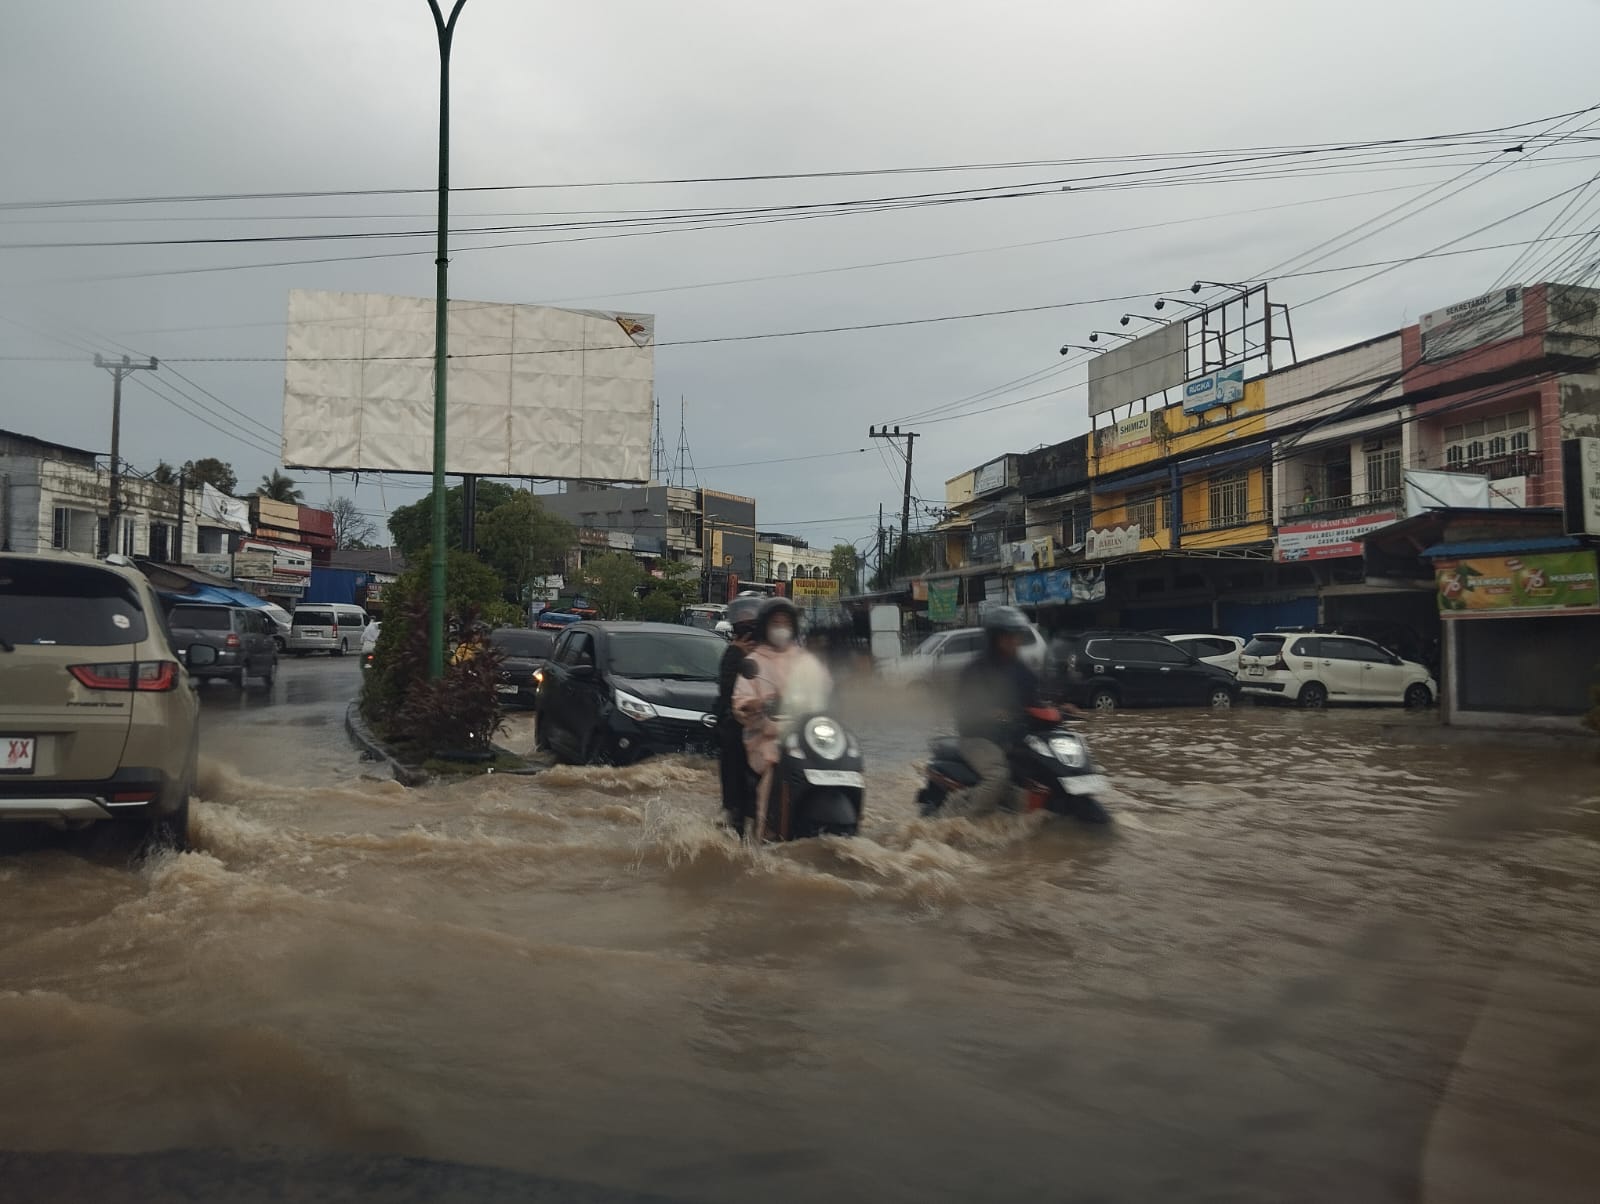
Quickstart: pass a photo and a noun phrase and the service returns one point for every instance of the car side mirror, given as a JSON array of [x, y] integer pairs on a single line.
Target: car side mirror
[[749, 670], [581, 673], [198, 656]]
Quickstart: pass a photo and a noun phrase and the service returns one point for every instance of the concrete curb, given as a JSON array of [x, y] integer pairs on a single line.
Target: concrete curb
[[361, 736]]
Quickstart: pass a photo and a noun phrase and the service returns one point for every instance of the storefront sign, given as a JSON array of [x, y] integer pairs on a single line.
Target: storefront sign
[[1223, 387], [990, 477], [1580, 468], [1509, 493], [1134, 431], [919, 590], [1456, 328], [814, 587], [1327, 538], [218, 564], [942, 601], [1103, 542], [1538, 581], [253, 566], [1060, 587]]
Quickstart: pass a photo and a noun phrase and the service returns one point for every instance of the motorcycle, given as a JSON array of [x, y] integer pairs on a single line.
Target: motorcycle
[[817, 786], [1051, 768]]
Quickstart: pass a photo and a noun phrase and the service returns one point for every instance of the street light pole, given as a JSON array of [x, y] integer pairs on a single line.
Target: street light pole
[[446, 29]]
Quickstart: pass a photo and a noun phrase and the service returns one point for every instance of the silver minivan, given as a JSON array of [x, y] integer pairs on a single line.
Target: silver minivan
[[331, 627]]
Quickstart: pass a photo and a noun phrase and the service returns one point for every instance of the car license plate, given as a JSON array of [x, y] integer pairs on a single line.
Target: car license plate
[[1089, 783], [1256, 671], [16, 753], [505, 688]]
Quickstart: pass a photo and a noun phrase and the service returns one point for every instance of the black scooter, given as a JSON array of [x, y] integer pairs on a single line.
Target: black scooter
[[1050, 764], [818, 786]]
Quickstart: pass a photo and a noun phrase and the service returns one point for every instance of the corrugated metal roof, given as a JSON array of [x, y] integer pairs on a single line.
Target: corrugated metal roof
[[1497, 547]]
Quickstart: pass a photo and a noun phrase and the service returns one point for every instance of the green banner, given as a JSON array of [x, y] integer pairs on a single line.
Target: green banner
[[942, 597], [1538, 581]]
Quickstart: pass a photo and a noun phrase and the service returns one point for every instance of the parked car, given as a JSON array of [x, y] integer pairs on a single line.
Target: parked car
[[1314, 670], [523, 654], [556, 620], [619, 692], [282, 621], [1107, 669], [331, 627], [99, 723], [945, 653], [1219, 650], [242, 635]]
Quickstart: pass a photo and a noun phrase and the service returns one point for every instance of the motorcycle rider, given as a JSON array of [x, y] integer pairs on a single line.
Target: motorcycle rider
[[737, 797], [777, 653], [993, 694]]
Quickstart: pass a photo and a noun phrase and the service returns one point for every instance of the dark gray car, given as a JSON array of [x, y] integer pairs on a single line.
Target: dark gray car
[[242, 636]]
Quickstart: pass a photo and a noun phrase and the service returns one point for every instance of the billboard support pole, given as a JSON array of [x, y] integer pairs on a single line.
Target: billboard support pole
[[446, 30]]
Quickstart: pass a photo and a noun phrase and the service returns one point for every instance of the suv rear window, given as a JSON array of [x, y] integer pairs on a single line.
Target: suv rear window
[[313, 618], [201, 618], [350, 618], [1265, 645], [514, 641], [73, 604]]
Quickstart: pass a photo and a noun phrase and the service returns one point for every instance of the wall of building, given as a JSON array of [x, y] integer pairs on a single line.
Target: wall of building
[[1312, 391], [1174, 433], [1197, 507]]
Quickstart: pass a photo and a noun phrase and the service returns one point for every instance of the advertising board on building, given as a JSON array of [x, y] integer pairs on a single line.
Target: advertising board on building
[[1102, 542], [1580, 469], [218, 564], [1224, 387], [942, 597], [819, 588], [990, 477], [1537, 581], [1490, 318], [1327, 538], [1140, 368], [1060, 587], [1133, 431], [253, 566]]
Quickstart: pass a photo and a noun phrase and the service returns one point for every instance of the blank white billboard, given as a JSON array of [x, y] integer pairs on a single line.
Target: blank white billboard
[[1138, 369], [533, 391]]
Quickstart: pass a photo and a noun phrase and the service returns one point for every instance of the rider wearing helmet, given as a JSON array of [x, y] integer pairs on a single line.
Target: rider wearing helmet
[[736, 795], [776, 654], [993, 694]]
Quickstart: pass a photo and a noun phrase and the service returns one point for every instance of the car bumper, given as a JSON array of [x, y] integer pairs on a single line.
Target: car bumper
[[128, 792], [631, 740]]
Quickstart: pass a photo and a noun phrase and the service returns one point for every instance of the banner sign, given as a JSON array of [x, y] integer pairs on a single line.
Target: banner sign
[[1111, 541], [1580, 470], [253, 566], [1327, 538], [1223, 387], [1134, 431], [1460, 327], [990, 477], [942, 601], [1534, 582], [1139, 368], [1060, 587], [814, 587]]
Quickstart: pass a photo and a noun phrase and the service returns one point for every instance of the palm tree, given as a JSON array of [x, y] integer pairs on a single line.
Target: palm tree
[[280, 488]]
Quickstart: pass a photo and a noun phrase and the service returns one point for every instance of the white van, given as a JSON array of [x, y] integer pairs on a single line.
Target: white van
[[331, 627]]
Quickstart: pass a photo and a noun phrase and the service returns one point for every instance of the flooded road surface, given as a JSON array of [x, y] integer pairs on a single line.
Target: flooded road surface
[[1312, 961]]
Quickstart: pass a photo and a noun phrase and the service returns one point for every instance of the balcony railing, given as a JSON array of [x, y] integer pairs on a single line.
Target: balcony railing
[[1319, 507], [1222, 522], [1498, 468]]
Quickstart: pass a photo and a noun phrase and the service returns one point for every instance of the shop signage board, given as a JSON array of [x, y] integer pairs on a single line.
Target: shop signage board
[[1103, 542], [1060, 587], [1580, 470], [1223, 387], [942, 601], [1537, 581], [218, 564], [1134, 431], [1327, 538], [814, 587], [1490, 318]]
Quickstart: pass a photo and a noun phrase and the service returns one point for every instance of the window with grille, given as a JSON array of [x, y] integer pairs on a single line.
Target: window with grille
[[127, 536], [61, 528], [1469, 442], [1230, 498], [1148, 511], [1385, 472]]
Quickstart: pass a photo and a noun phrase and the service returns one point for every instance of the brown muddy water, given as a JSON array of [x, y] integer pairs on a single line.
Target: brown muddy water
[[1315, 959]]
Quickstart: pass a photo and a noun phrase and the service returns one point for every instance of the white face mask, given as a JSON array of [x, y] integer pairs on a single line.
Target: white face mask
[[780, 638]]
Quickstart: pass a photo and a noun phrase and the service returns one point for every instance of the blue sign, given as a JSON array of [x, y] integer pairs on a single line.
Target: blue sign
[[1223, 387], [1060, 587]]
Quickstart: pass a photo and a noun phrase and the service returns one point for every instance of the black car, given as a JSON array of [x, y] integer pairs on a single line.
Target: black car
[[618, 692], [243, 636], [1103, 670], [524, 653]]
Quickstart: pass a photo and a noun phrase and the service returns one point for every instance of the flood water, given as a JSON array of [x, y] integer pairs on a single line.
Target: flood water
[[1320, 956]]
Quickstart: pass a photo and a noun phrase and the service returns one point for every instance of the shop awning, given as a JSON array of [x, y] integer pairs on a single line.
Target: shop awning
[[1500, 547]]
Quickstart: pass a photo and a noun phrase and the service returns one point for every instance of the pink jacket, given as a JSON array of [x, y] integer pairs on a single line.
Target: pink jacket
[[760, 731]]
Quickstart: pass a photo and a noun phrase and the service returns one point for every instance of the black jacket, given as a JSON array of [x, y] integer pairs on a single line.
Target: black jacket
[[991, 696], [727, 678]]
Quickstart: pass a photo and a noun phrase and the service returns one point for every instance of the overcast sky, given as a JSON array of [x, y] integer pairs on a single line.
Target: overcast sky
[[187, 97]]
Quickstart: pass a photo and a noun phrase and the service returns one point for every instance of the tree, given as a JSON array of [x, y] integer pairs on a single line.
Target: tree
[[280, 488], [218, 474], [164, 474], [522, 540], [412, 526], [612, 583], [677, 587], [842, 567], [351, 528]]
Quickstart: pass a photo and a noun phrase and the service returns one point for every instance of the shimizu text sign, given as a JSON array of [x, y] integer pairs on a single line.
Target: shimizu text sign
[[534, 391]]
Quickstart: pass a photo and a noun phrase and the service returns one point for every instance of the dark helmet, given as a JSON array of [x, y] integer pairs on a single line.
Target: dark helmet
[[742, 614], [776, 606], [1004, 620]]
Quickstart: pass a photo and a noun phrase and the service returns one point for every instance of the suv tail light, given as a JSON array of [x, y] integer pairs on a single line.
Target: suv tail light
[[233, 639], [150, 676]]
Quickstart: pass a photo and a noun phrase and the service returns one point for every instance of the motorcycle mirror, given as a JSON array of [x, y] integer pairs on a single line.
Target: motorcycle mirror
[[749, 670]]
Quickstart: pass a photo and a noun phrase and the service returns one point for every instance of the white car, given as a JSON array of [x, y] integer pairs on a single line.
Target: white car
[[1314, 669], [946, 653], [1219, 650]]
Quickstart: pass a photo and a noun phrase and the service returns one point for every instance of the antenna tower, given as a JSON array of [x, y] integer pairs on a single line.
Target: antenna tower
[[684, 468]]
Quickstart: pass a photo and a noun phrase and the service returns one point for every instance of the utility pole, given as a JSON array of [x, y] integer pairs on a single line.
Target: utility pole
[[176, 554], [880, 542], [883, 432], [446, 29], [118, 370]]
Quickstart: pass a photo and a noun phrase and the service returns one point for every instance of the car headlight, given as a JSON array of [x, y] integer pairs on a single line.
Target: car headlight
[[1069, 750], [634, 708], [826, 738]]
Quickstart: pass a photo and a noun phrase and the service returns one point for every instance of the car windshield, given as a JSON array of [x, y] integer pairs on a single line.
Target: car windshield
[[1264, 645], [313, 618], [201, 618], [929, 645], [665, 654], [67, 604], [516, 642]]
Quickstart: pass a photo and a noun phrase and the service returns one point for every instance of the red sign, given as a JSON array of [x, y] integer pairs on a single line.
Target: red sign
[[1327, 538]]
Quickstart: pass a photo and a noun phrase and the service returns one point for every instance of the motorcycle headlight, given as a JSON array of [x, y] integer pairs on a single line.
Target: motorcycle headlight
[[1069, 750], [825, 738], [634, 708], [1037, 746]]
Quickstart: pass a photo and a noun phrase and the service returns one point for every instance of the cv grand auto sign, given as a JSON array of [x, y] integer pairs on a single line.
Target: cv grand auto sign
[[1328, 538]]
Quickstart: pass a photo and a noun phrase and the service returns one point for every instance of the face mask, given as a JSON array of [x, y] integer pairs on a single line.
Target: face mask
[[780, 637]]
